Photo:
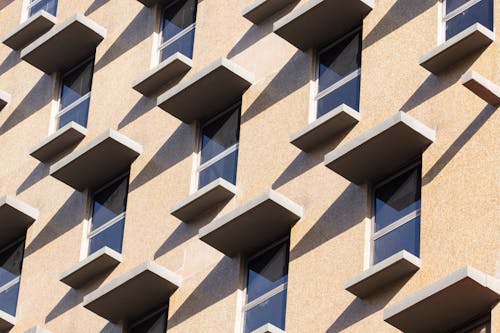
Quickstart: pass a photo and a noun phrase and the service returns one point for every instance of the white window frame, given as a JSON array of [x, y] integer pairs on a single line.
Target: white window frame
[[6, 286], [446, 17], [27, 4]]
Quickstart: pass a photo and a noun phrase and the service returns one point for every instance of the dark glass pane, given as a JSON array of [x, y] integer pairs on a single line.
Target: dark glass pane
[[183, 45], [481, 12], [8, 300], [154, 324], [347, 94], [177, 17], [397, 198], [451, 5], [110, 202], [339, 61], [225, 168], [271, 311], [11, 261], [220, 134], [111, 237], [267, 271], [79, 114], [50, 6], [405, 237], [76, 83]]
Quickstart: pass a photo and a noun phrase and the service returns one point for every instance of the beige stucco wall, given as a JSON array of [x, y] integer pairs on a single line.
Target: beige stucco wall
[[461, 178]]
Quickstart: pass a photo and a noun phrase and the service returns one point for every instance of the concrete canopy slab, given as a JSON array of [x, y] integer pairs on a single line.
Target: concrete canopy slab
[[29, 30], [216, 192], [6, 321], [153, 80], [102, 261], [325, 127], [318, 22], [64, 46], [253, 225], [378, 276], [382, 150], [456, 48], [4, 99], [482, 87], [262, 9], [206, 93], [64, 138], [16, 217], [36, 329], [444, 305], [268, 328], [135, 293], [100, 161], [151, 3]]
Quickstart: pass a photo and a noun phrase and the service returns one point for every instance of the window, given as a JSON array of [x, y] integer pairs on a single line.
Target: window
[[108, 216], [219, 147], [177, 29], [11, 261], [267, 279], [339, 74], [397, 215], [34, 6], [458, 15], [75, 94], [153, 323]]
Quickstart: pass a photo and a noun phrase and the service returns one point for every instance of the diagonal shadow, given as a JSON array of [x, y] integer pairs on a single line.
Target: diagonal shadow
[[140, 108], [249, 38], [95, 6], [70, 300], [5, 3], [39, 172], [9, 62], [461, 141]]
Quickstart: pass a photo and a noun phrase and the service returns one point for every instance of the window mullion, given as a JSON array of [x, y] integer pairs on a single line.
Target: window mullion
[[218, 157], [73, 105], [10, 284], [33, 3], [107, 225], [339, 84], [266, 296], [460, 9], [177, 36], [405, 219]]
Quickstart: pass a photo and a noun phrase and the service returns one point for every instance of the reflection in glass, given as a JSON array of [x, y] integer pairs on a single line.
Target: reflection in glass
[[111, 237], [178, 28], [11, 260], [347, 94], [272, 310], [50, 6], [405, 237], [482, 12], [156, 323], [224, 168], [183, 45]]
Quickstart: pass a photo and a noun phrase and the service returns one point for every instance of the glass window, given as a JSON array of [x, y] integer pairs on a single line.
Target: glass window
[[397, 215], [461, 14], [50, 6], [75, 94], [155, 323], [219, 148], [177, 30], [108, 216], [339, 70], [478, 326], [11, 261], [266, 288]]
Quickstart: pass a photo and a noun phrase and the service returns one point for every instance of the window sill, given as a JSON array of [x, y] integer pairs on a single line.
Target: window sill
[[16, 217], [465, 294], [382, 274], [268, 328], [29, 30], [260, 10], [91, 267], [4, 99], [456, 48], [54, 145], [482, 87], [207, 197], [326, 127], [7, 322], [36, 329]]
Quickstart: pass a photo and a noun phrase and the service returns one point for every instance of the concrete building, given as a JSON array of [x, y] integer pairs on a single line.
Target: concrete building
[[249, 166]]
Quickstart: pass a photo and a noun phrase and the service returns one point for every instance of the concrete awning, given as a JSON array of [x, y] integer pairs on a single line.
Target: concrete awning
[[134, 294], [29, 30], [4, 99], [206, 93], [254, 225], [100, 161], [65, 45], [6, 321], [262, 9], [382, 150], [36, 329], [151, 3], [156, 78], [64, 138], [444, 305], [268, 328], [381, 275], [318, 22], [457, 48], [16, 217], [482, 87], [209, 196], [87, 270]]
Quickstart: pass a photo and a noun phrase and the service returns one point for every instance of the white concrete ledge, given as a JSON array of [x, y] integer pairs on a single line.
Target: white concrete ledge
[[262, 9], [134, 294], [456, 48], [6, 321], [4, 99], [447, 303], [207, 92], [65, 45], [382, 274], [268, 328], [482, 87], [100, 161], [156, 78], [216, 192], [328, 126], [98, 263], [382, 150], [253, 225], [36, 329], [29, 30], [61, 140], [321, 21], [16, 217]]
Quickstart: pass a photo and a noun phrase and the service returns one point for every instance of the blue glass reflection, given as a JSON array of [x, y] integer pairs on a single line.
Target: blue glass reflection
[[271, 311], [8, 299], [405, 237], [347, 94], [50, 6], [111, 237], [183, 45], [481, 12], [224, 168], [79, 114]]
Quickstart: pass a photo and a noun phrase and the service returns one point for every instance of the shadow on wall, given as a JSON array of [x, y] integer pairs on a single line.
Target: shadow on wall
[[95, 6], [39, 172], [5, 3], [9, 62], [70, 300], [140, 108]]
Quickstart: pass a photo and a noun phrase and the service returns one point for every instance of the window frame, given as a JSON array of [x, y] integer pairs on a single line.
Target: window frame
[[164, 308], [444, 18], [16, 280], [28, 4]]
